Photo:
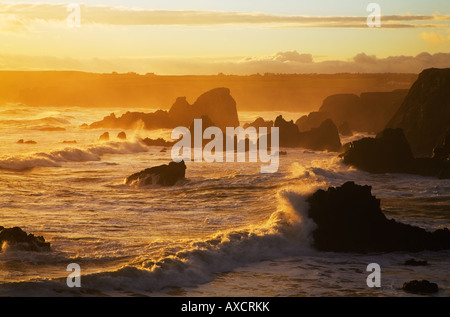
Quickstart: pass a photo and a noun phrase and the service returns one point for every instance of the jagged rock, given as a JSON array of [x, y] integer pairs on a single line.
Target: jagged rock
[[19, 239], [157, 142], [104, 137], [424, 115], [122, 136], [312, 120], [165, 175], [131, 120], [349, 219], [259, 123], [217, 104], [390, 152], [324, 138], [420, 287]]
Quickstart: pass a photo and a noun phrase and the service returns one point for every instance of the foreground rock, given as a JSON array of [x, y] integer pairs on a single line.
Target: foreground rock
[[420, 287], [19, 239], [349, 219], [390, 152], [165, 175], [424, 115], [324, 138]]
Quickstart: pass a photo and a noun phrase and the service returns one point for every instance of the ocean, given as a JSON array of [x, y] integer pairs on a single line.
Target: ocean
[[227, 230]]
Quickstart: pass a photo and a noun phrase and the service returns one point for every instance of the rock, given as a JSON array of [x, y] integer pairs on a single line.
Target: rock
[[349, 219], [324, 138], [217, 104], [52, 129], [165, 175], [390, 152], [21, 141], [369, 112], [420, 287], [260, 123], [157, 142], [443, 152], [104, 137], [312, 120], [289, 133], [424, 115], [345, 129], [133, 120], [19, 239], [69, 142], [413, 262], [122, 136]]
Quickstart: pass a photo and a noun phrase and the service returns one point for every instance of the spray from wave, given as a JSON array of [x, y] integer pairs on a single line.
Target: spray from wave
[[70, 154]]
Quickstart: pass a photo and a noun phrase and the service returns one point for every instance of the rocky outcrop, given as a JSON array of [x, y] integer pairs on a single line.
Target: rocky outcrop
[[424, 115], [324, 138], [122, 136], [259, 123], [312, 120], [104, 137], [349, 219], [133, 120], [420, 287], [217, 104], [157, 142], [369, 112], [18, 239], [165, 175], [390, 152]]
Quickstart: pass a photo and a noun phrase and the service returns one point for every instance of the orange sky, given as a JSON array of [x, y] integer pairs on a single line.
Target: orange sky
[[207, 37]]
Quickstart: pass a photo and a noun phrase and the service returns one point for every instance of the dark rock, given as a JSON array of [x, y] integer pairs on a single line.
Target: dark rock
[[420, 287], [349, 219], [345, 129], [131, 120], [424, 115], [21, 141], [312, 120], [69, 142], [104, 137], [122, 136], [19, 239], [390, 152], [370, 112], [413, 262], [165, 175], [157, 142], [217, 104], [324, 138], [443, 152], [259, 123]]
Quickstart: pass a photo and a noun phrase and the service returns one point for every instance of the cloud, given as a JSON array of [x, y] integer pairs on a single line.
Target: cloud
[[433, 38], [280, 62], [120, 16]]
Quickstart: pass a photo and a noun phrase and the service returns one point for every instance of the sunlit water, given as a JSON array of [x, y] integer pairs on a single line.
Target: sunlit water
[[228, 230]]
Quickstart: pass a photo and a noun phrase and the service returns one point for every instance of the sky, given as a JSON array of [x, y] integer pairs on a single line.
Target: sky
[[177, 37]]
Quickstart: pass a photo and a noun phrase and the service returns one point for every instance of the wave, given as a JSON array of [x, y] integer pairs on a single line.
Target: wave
[[286, 233], [70, 154]]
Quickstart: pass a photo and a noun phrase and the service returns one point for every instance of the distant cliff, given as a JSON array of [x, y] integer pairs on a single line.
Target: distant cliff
[[424, 115]]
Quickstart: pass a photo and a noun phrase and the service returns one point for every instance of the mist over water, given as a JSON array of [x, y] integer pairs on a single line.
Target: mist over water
[[226, 230]]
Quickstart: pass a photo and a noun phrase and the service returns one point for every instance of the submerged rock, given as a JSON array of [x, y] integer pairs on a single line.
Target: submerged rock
[[349, 219], [165, 175], [21, 141], [19, 239], [420, 287]]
